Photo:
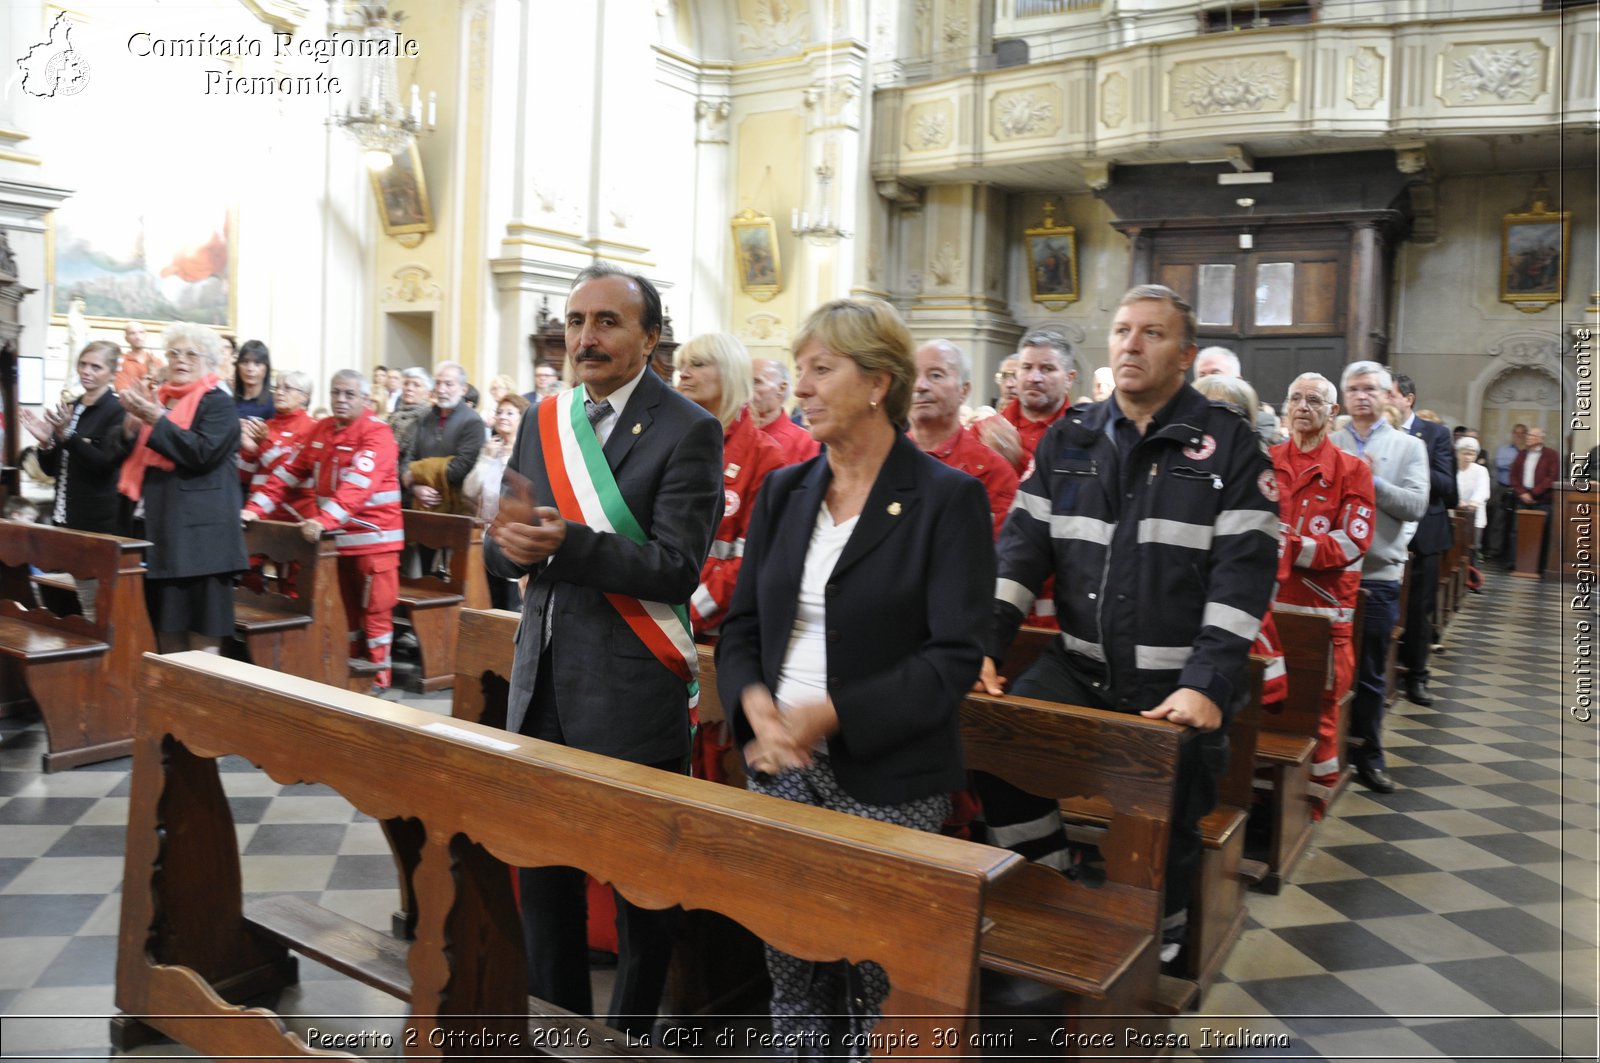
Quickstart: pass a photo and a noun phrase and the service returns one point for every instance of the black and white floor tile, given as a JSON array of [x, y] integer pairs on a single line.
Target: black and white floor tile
[[1454, 919]]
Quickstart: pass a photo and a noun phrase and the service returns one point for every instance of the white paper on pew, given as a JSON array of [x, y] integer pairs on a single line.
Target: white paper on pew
[[470, 736]]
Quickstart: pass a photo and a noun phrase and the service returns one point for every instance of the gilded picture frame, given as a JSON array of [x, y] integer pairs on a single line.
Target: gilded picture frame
[[1052, 262], [755, 249], [401, 190], [1533, 257]]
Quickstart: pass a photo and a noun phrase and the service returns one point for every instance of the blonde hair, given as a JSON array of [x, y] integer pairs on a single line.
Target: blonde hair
[[732, 363], [1232, 390], [870, 333], [505, 383]]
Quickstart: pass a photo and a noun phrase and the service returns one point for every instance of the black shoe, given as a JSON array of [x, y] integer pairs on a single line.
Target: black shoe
[[1375, 779], [1417, 692]]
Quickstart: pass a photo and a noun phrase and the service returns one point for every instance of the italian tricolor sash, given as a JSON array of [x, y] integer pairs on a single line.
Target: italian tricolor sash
[[586, 492]]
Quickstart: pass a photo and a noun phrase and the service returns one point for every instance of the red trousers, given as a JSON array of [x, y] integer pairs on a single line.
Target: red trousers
[[370, 587], [1325, 759]]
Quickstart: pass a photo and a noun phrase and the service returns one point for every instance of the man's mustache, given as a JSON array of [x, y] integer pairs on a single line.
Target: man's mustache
[[591, 354]]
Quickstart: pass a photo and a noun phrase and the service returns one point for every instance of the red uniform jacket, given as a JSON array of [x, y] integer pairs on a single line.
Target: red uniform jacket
[[1030, 430], [286, 434], [353, 471], [1328, 514], [748, 455], [795, 441], [965, 451]]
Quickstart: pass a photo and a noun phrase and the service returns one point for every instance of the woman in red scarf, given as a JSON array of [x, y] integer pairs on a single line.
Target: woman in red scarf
[[181, 471]]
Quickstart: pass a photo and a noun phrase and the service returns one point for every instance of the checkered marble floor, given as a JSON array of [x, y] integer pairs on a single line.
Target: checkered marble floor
[[1453, 919]]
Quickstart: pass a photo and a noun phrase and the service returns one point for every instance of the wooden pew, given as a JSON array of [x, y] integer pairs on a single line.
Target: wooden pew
[[1099, 946], [433, 604], [1217, 912], [80, 674], [805, 879], [307, 634], [1288, 738]]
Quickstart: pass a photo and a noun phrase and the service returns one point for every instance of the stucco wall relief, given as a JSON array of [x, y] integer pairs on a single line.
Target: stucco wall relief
[[1366, 78], [1207, 88], [1033, 111], [929, 126], [1492, 74]]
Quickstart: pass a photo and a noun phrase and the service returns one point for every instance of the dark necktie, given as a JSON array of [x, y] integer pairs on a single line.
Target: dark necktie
[[596, 410]]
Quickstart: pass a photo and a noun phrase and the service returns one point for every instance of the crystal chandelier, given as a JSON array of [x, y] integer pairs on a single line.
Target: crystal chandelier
[[376, 119]]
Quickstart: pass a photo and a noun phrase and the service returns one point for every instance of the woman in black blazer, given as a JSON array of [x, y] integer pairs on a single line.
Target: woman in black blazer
[[82, 446], [182, 467], [854, 631]]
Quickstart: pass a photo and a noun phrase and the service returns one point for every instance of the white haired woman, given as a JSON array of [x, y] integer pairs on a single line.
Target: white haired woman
[[1472, 482], [266, 445], [181, 468]]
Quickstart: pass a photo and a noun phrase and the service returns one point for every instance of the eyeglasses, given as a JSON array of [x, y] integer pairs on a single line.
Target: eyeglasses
[[192, 356], [1001, 378], [1315, 402]]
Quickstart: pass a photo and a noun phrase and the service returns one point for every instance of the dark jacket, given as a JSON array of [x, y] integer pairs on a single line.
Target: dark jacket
[[460, 439], [1164, 564], [612, 695], [191, 512], [89, 460], [1434, 535], [906, 611]]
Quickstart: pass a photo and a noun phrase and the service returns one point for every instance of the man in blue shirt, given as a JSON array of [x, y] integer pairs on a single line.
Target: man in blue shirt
[[1504, 500]]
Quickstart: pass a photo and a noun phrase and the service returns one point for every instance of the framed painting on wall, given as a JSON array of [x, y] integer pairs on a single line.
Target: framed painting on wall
[[1533, 255], [1052, 261], [755, 242], [401, 189], [151, 252]]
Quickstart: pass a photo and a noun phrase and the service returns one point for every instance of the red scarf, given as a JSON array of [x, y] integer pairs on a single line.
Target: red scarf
[[131, 481]]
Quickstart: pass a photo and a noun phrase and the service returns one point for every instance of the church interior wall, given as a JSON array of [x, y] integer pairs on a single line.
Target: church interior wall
[[1449, 321]]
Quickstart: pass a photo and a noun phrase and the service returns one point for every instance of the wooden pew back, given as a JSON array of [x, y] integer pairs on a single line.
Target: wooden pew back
[[82, 555], [305, 634], [80, 673], [281, 546], [807, 880]]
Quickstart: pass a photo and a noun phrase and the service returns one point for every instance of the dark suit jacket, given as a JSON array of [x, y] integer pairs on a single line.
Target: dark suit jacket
[[92, 456], [1433, 531], [1544, 475], [459, 439], [906, 606], [191, 512], [612, 695]]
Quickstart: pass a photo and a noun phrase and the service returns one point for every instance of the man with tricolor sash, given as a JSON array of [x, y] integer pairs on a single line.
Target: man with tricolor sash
[[611, 499]]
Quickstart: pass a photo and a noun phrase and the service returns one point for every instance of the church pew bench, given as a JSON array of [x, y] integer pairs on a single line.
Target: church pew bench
[[1217, 911], [1098, 946], [287, 612], [432, 602], [1287, 741], [190, 949], [79, 673]]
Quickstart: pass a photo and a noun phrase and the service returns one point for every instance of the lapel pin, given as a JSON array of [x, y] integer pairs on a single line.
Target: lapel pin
[[637, 428], [731, 472], [894, 509]]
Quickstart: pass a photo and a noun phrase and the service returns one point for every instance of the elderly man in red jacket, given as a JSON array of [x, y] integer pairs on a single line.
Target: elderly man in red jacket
[[1326, 502], [944, 382], [1533, 474]]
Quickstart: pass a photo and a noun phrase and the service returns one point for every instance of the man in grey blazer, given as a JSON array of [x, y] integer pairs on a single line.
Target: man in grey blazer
[[582, 676]]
